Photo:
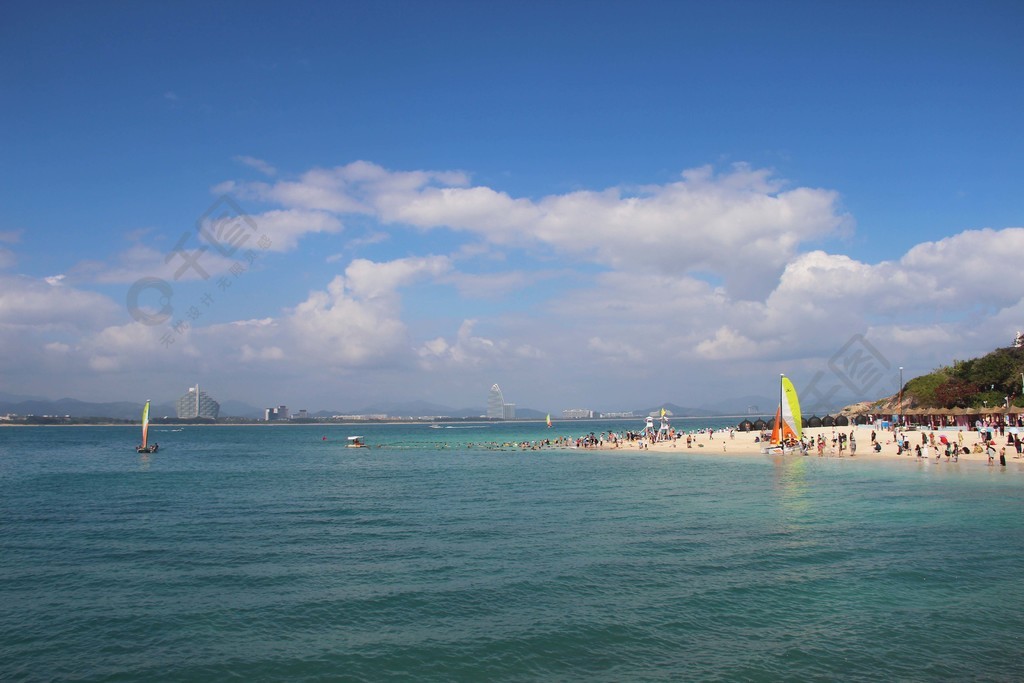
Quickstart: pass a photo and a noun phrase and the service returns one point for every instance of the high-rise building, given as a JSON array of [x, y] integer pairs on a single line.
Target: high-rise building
[[497, 409], [197, 403], [495, 404], [275, 414]]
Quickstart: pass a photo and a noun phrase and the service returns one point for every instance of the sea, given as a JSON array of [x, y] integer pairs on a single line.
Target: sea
[[455, 554]]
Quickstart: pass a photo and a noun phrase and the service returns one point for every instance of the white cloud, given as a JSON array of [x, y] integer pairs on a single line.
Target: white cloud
[[496, 285], [196, 256], [369, 280], [664, 289], [357, 320], [250, 354], [7, 256], [727, 344], [284, 229], [615, 350], [258, 164], [49, 304], [471, 350], [744, 224]]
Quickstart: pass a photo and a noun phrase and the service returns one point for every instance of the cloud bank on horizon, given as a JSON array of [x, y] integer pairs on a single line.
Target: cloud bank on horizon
[[655, 292]]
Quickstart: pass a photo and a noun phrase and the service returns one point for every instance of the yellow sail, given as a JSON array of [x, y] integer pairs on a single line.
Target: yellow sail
[[549, 419], [145, 425], [791, 409], [788, 421]]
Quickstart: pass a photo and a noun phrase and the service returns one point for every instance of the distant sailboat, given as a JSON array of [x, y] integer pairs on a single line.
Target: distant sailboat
[[788, 428], [549, 420], [144, 447]]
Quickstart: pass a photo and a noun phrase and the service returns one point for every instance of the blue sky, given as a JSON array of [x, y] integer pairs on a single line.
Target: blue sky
[[599, 204]]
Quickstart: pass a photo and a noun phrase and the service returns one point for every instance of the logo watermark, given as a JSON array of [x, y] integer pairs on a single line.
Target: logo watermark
[[225, 228], [858, 366]]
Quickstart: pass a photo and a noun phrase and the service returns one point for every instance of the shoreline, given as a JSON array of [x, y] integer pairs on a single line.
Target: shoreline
[[742, 443], [722, 441]]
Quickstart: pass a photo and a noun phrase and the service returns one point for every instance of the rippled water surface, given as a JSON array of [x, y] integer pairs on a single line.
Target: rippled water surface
[[255, 552]]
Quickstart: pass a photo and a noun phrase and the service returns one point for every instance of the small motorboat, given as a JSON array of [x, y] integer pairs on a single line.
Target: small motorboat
[[356, 442]]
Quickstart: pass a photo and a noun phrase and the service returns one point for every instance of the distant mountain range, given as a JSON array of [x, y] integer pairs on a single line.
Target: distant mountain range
[[126, 410]]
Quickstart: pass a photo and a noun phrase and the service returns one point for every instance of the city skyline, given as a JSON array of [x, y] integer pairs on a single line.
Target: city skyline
[[351, 205]]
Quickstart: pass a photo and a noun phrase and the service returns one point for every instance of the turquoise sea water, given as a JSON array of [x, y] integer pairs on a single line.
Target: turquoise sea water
[[268, 553]]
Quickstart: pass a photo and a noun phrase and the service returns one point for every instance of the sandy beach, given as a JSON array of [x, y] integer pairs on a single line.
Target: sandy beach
[[743, 443]]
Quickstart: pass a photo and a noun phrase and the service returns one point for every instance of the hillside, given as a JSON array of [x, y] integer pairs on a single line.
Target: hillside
[[976, 383]]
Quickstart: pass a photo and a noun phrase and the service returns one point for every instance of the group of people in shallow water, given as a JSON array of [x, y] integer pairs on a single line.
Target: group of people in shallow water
[[607, 439]]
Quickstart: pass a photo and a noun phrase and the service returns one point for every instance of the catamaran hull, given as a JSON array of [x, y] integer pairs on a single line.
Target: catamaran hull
[[780, 450]]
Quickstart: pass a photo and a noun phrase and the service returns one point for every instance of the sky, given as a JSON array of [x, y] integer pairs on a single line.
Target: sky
[[601, 205]]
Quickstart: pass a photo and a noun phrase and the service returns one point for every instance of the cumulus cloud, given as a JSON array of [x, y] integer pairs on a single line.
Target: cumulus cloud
[[357, 320], [743, 224], [212, 249], [666, 285], [727, 343], [471, 350], [275, 230], [49, 304]]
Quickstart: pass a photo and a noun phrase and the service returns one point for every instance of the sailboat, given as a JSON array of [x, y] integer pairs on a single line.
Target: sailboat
[[788, 428], [144, 447], [549, 420]]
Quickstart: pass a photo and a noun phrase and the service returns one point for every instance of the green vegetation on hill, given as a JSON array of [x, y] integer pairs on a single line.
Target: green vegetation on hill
[[971, 383]]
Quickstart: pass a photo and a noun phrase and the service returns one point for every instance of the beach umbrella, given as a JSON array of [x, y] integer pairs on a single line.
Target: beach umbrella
[[842, 421], [814, 421], [828, 421]]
